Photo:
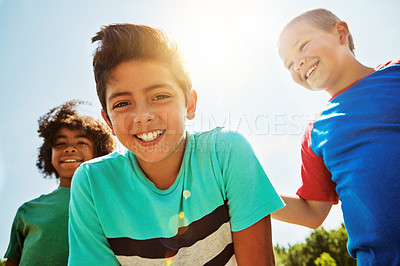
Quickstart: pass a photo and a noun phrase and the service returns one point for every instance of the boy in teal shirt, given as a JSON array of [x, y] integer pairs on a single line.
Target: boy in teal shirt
[[173, 197], [39, 234]]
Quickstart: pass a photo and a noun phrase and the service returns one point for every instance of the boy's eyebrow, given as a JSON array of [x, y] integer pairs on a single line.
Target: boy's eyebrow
[[64, 136], [127, 93], [81, 136], [123, 93]]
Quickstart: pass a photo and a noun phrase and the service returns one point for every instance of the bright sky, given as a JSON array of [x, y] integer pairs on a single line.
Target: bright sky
[[230, 48]]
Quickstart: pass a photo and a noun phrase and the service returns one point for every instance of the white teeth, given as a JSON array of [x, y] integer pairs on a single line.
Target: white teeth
[[150, 135], [70, 161], [310, 71]]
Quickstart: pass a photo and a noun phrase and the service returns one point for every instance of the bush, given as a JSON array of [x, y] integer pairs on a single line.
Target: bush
[[321, 247]]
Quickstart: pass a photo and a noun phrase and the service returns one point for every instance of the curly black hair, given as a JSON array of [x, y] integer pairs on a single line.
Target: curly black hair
[[66, 116]]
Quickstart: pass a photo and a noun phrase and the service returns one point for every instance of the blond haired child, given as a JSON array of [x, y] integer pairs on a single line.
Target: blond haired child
[[351, 152]]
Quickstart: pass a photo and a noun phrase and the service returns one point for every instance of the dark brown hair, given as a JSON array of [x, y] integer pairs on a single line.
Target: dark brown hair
[[322, 19], [66, 116], [124, 42]]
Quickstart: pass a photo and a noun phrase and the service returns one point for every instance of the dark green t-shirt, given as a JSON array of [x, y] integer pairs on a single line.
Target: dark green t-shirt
[[39, 234]]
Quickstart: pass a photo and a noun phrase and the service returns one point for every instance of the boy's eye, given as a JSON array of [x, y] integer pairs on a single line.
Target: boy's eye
[[288, 65], [161, 97], [302, 46], [120, 104], [59, 144], [83, 143]]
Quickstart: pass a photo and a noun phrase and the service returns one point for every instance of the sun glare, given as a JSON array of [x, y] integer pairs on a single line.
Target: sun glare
[[221, 38]]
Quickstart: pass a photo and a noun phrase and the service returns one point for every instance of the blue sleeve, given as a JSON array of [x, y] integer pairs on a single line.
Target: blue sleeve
[[249, 192], [87, 243]]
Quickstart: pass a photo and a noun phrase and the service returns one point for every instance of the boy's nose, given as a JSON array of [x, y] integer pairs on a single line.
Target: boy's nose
[[298, 64], [70, 149], [144, 117]]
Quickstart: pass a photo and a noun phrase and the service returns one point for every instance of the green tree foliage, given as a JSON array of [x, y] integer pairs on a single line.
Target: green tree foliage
[[2, 262], [325, 260], [321, 246]]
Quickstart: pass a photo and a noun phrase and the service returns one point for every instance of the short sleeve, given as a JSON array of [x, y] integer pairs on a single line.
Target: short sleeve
[[14, 250], [87, 243], [317, 181], [249, 192]]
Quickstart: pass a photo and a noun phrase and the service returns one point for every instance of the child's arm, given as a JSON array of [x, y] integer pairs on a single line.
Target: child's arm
[[299, 211], [253, 245]]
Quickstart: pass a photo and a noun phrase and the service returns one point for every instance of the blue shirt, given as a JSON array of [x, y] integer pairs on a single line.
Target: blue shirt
[[352, 153]]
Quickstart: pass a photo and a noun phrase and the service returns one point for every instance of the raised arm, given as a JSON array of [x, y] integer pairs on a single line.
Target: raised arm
[[253, 245], [299, 211]]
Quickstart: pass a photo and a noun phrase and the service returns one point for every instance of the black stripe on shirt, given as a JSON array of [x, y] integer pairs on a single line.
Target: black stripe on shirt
[[168, 247], [222, 257]]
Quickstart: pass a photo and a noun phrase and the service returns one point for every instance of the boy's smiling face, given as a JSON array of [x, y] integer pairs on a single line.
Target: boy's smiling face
[[70, 149], [313, 56], [147, 110]]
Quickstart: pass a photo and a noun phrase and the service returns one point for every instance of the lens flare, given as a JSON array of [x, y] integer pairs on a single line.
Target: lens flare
[[186, 194], [178, 221]]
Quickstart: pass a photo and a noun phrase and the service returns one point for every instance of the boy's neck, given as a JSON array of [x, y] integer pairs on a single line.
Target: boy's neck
[[354, 72], [65, 182], [164, 173]]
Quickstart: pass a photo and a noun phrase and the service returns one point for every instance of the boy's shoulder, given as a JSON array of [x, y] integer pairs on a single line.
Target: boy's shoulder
[[388, 64], [117, 155], [104, 164], [45, 198], [205, 134], [217, 132], [217, 136], [219, 141]]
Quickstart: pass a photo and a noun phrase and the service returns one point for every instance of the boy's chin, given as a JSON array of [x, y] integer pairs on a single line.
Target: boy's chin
[[67, 174], [313, 87], [308, 87]]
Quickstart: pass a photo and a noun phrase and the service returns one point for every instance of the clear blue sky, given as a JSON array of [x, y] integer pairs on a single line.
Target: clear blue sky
[[230, 48]]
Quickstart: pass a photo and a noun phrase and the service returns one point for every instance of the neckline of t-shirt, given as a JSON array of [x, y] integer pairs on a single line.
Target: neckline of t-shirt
[[151, 185], [351, 85]]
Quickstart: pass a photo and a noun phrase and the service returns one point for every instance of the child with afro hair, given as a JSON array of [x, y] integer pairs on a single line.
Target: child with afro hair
[[39, 234]]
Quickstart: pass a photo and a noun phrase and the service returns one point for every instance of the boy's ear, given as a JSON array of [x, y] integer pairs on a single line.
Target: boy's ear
[[191, 108], [343, 30], [104, 115]]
